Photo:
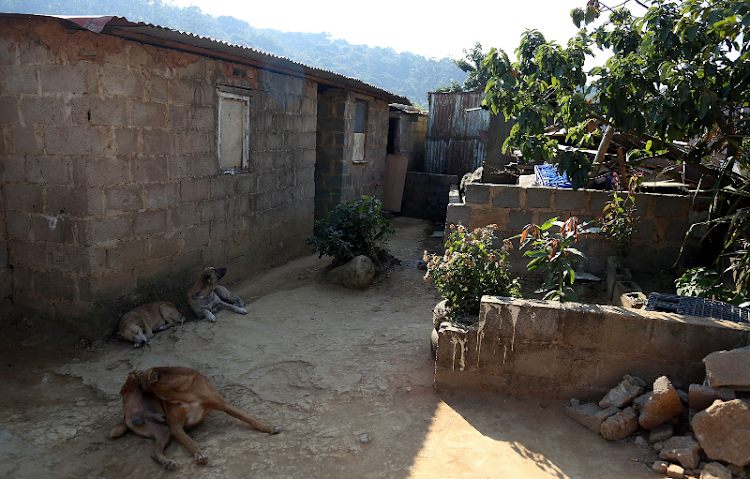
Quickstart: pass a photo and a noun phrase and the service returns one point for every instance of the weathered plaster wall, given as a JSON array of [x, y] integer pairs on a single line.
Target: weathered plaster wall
[[338, 178], [111, 189], [664, 220], [549, 349]]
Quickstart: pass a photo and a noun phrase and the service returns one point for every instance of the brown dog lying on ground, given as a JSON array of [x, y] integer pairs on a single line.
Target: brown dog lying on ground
[[207, 297], [187, 396], [144, 416], [139, 324]]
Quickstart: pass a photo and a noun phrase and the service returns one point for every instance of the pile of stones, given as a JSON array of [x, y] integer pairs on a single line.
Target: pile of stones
[[703, 432]]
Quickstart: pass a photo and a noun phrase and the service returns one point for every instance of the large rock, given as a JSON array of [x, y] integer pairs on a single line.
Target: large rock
[[590, 415], [715, 470], [660, 405], [356, 274], [702, 396], [620, 426], [729, 368], [682, 449], [624, 393], [723, 431]]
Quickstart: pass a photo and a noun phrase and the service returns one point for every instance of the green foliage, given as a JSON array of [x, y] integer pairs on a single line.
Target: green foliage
[[353, 229], [707, 283], [679, 72], [618, 219], [469, 269], [553, 252]]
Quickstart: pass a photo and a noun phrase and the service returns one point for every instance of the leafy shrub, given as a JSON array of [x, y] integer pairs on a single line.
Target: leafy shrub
[[469, 269], [707, 283], [552, 252], [618, 219], [353, 229]]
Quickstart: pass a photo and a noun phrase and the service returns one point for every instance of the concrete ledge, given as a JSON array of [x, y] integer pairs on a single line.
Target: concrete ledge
[[554, 350]]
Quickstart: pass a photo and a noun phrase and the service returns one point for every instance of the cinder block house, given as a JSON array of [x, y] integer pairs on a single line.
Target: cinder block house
[[134, 155]]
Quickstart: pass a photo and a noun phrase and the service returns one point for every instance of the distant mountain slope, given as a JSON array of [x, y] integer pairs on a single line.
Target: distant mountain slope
[[404, 73]]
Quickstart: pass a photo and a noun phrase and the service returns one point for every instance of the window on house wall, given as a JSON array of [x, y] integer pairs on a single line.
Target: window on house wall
[[360, 117], [234, 131]]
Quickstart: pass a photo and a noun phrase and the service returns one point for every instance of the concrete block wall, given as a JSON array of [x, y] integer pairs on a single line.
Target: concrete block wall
[[664, 220], [112, 194], [564, 350], [426, 195], [338, 179]]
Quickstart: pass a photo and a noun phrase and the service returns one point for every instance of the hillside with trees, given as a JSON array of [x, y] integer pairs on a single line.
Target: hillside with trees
[[403, 73]]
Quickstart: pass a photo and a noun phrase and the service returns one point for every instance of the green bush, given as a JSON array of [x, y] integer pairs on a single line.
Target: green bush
[[469, 269], [353, 229]]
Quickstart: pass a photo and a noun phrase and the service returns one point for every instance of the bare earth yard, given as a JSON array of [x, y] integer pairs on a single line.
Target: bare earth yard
[[346, 374]]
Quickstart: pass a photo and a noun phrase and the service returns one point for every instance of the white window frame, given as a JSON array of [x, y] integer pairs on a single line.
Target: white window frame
[[245, 162]]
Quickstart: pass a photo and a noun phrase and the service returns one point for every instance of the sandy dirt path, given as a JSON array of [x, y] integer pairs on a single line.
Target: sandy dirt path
[[346, 374]]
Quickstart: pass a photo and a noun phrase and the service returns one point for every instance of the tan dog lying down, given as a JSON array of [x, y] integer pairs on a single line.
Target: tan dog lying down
[[207, 297], [144, 415], [187, 397], [139, 324]]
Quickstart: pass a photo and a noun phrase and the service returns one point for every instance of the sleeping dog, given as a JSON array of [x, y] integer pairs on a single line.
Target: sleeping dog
[[207, 297], [139, 324]]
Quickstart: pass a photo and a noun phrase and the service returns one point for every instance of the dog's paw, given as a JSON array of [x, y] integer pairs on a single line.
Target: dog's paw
[[137, 345], [202, 459], [242, 310], [275, 430], [169, 464], [239, 302], [181, 320]]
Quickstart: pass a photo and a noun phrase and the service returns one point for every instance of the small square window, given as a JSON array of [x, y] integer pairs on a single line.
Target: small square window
[[234, 131]]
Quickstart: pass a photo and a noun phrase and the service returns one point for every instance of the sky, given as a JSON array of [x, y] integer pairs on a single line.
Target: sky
[[435, 29]]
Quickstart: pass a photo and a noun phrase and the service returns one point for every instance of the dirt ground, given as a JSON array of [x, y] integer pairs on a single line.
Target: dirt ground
[[348, 375]]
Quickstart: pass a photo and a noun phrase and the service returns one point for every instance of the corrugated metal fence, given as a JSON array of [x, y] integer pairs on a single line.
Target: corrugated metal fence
[[453, 146]]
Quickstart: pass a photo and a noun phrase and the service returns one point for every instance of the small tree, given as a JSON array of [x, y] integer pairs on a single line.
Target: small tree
[[473, 64]]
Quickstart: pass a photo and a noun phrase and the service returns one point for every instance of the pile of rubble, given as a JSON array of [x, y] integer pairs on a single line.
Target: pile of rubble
[[704, 432]]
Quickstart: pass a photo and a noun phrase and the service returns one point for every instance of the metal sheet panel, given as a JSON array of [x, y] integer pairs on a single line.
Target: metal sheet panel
[[453, 145]]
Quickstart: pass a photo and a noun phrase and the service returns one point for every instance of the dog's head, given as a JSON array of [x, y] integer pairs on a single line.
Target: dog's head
[[211, 276], [149, 377], [131, 383], [133, 332]]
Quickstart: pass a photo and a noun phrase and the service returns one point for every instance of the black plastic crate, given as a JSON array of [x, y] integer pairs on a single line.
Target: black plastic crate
[[701, 307]]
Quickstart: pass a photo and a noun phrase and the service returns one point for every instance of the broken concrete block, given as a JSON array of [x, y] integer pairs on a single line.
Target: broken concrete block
[[659, 405], [590, 415], [356, 274], [701, 396], [661, 433], [620, 425], [660, 466], [675, 471], [729, 368], [723, 431], [682, 449], [715, 470], [439, 314], [624, 393], [622, 288], [633, 300]]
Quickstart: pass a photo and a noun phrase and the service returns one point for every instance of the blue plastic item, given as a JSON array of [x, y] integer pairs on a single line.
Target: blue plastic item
[[547, 175]]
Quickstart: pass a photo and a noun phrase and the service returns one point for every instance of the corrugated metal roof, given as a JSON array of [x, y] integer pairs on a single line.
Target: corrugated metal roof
[[174, 39]]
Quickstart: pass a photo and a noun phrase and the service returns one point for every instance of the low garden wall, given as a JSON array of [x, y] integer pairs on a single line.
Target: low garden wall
[[563, 350], [664, 221]]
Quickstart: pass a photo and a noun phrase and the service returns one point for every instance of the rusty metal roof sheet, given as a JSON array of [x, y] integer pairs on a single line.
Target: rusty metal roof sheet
[[169, 38]]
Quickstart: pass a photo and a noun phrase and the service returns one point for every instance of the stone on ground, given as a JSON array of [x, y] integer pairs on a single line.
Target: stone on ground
[[682, 449], [729, 368], [624, 393], [590, 415], [675, 471], [723, 431], [661, 433], [356, 274], [715, 470], [620, 425], [659, 405]]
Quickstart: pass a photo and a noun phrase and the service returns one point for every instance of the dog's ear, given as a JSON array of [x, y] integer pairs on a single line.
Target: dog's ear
[[152, 377]]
